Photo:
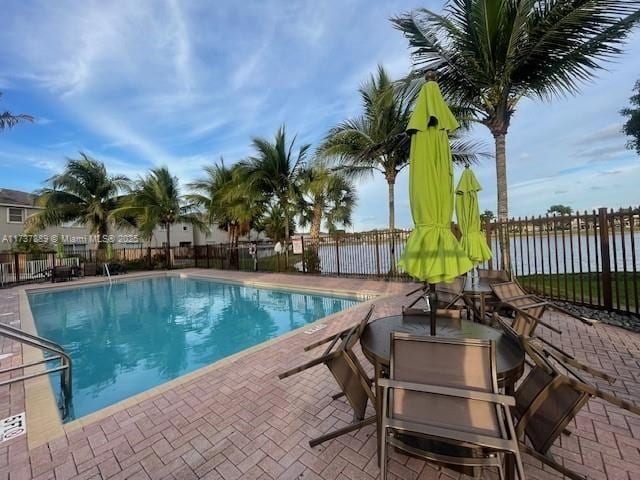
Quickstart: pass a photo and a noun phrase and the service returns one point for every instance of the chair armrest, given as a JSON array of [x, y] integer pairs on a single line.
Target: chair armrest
[[448, 391]]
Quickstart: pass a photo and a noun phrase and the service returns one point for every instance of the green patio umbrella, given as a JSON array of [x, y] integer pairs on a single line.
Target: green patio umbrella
[[432, 254], [468, 214]]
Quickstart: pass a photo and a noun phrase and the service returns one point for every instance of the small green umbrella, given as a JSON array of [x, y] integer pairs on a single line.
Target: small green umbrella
[[432, 253], [468, 213]]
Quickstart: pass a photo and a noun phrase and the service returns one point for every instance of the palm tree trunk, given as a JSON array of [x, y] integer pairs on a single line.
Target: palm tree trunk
[[391, 183], [168, 247], [503, 204], [316, 222]]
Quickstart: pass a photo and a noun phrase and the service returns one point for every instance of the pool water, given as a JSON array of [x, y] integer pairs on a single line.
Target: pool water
[[132, 336]]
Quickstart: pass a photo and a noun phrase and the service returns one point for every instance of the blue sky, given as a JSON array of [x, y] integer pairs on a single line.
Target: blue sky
[[181, 83]]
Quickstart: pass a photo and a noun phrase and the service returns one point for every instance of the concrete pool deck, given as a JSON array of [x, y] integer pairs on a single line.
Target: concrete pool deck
[[235, 419]]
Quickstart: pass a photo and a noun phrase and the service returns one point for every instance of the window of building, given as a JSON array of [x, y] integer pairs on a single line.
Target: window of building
[[185, 228], [185, 244], [15, 215]]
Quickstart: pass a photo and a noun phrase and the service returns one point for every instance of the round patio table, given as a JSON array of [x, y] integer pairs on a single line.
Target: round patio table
[[376, 342], [376, 346]]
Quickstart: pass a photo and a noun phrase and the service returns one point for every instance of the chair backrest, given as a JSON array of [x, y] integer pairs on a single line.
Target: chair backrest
[[513, 294], [359, 330], [450, 362], [347, 370], [494, 275], [546, 401], [455, 363], [524, 325], [454, 287]]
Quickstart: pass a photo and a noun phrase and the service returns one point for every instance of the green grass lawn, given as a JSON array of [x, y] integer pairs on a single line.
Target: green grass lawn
[[563, 286], [272, 263]]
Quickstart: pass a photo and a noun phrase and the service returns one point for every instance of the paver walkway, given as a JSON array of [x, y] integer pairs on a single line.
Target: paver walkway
[[240, 421]]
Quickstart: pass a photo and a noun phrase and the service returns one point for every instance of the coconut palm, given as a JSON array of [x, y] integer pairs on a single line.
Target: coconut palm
[[326, 195], [8, 120], [489, 54], [84, 193], [376, 140], [156, 201], [226, 200], [351, 143], [274, 171]]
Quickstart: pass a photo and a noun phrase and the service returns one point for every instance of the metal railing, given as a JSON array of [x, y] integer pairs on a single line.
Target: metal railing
[[590, 258], [56, 354]]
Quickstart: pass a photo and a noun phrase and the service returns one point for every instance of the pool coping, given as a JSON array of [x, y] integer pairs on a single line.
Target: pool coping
[[43, 418]]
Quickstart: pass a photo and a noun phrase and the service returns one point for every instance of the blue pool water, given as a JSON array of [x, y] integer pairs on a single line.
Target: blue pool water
[[138, 334]]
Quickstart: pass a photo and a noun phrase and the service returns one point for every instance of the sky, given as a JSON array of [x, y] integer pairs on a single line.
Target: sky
[[182, 83]]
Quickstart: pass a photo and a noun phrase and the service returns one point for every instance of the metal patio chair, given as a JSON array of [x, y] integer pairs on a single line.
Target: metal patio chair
[[441, 403], [449, 294], [494, 275], [512, 295], [348, 372], [549, 399]]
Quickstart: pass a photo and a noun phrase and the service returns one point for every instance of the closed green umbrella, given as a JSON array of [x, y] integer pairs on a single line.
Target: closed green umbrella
[[468, 213], [432, 253]]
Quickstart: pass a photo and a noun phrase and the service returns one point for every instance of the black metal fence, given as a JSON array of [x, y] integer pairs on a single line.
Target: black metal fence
[[590, 258], [586, 258]]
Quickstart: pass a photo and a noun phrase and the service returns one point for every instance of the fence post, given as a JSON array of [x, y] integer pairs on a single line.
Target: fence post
[[605, 256], [337, 255], [304, 261], [208, 256], [487, 232], [378, 253], [16, 266]]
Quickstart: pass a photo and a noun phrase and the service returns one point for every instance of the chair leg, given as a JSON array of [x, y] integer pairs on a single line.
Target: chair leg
[[342, 431], [383, 455]]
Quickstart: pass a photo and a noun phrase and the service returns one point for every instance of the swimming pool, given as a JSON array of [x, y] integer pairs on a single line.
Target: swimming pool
[[134, 335]]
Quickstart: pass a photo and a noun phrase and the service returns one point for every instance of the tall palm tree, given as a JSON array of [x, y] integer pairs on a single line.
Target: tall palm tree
[[8, 120], [489, 54], [387, 109], [274, 171], [156, 200], [226, 199], [326, 195], [85, 193], [376, 140]]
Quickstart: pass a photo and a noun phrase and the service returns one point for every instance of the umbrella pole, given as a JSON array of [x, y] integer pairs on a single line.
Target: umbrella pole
[[433, 307]]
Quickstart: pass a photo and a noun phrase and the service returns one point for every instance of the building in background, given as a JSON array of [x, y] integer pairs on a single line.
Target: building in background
[[17, 206]]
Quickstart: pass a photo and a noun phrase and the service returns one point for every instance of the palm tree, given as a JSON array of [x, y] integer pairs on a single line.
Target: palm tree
[[491, 53], [8, 120], [376, 140], [85, 193], [273, 222], [274, 171], [368, 143], [155, 200], [227, 200], [326, 195]]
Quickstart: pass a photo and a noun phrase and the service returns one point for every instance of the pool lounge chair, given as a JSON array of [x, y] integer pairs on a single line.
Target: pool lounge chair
[[348, 373], [446, 407]]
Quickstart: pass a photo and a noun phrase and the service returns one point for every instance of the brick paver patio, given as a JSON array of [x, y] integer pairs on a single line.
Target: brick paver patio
[[240, 421]]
